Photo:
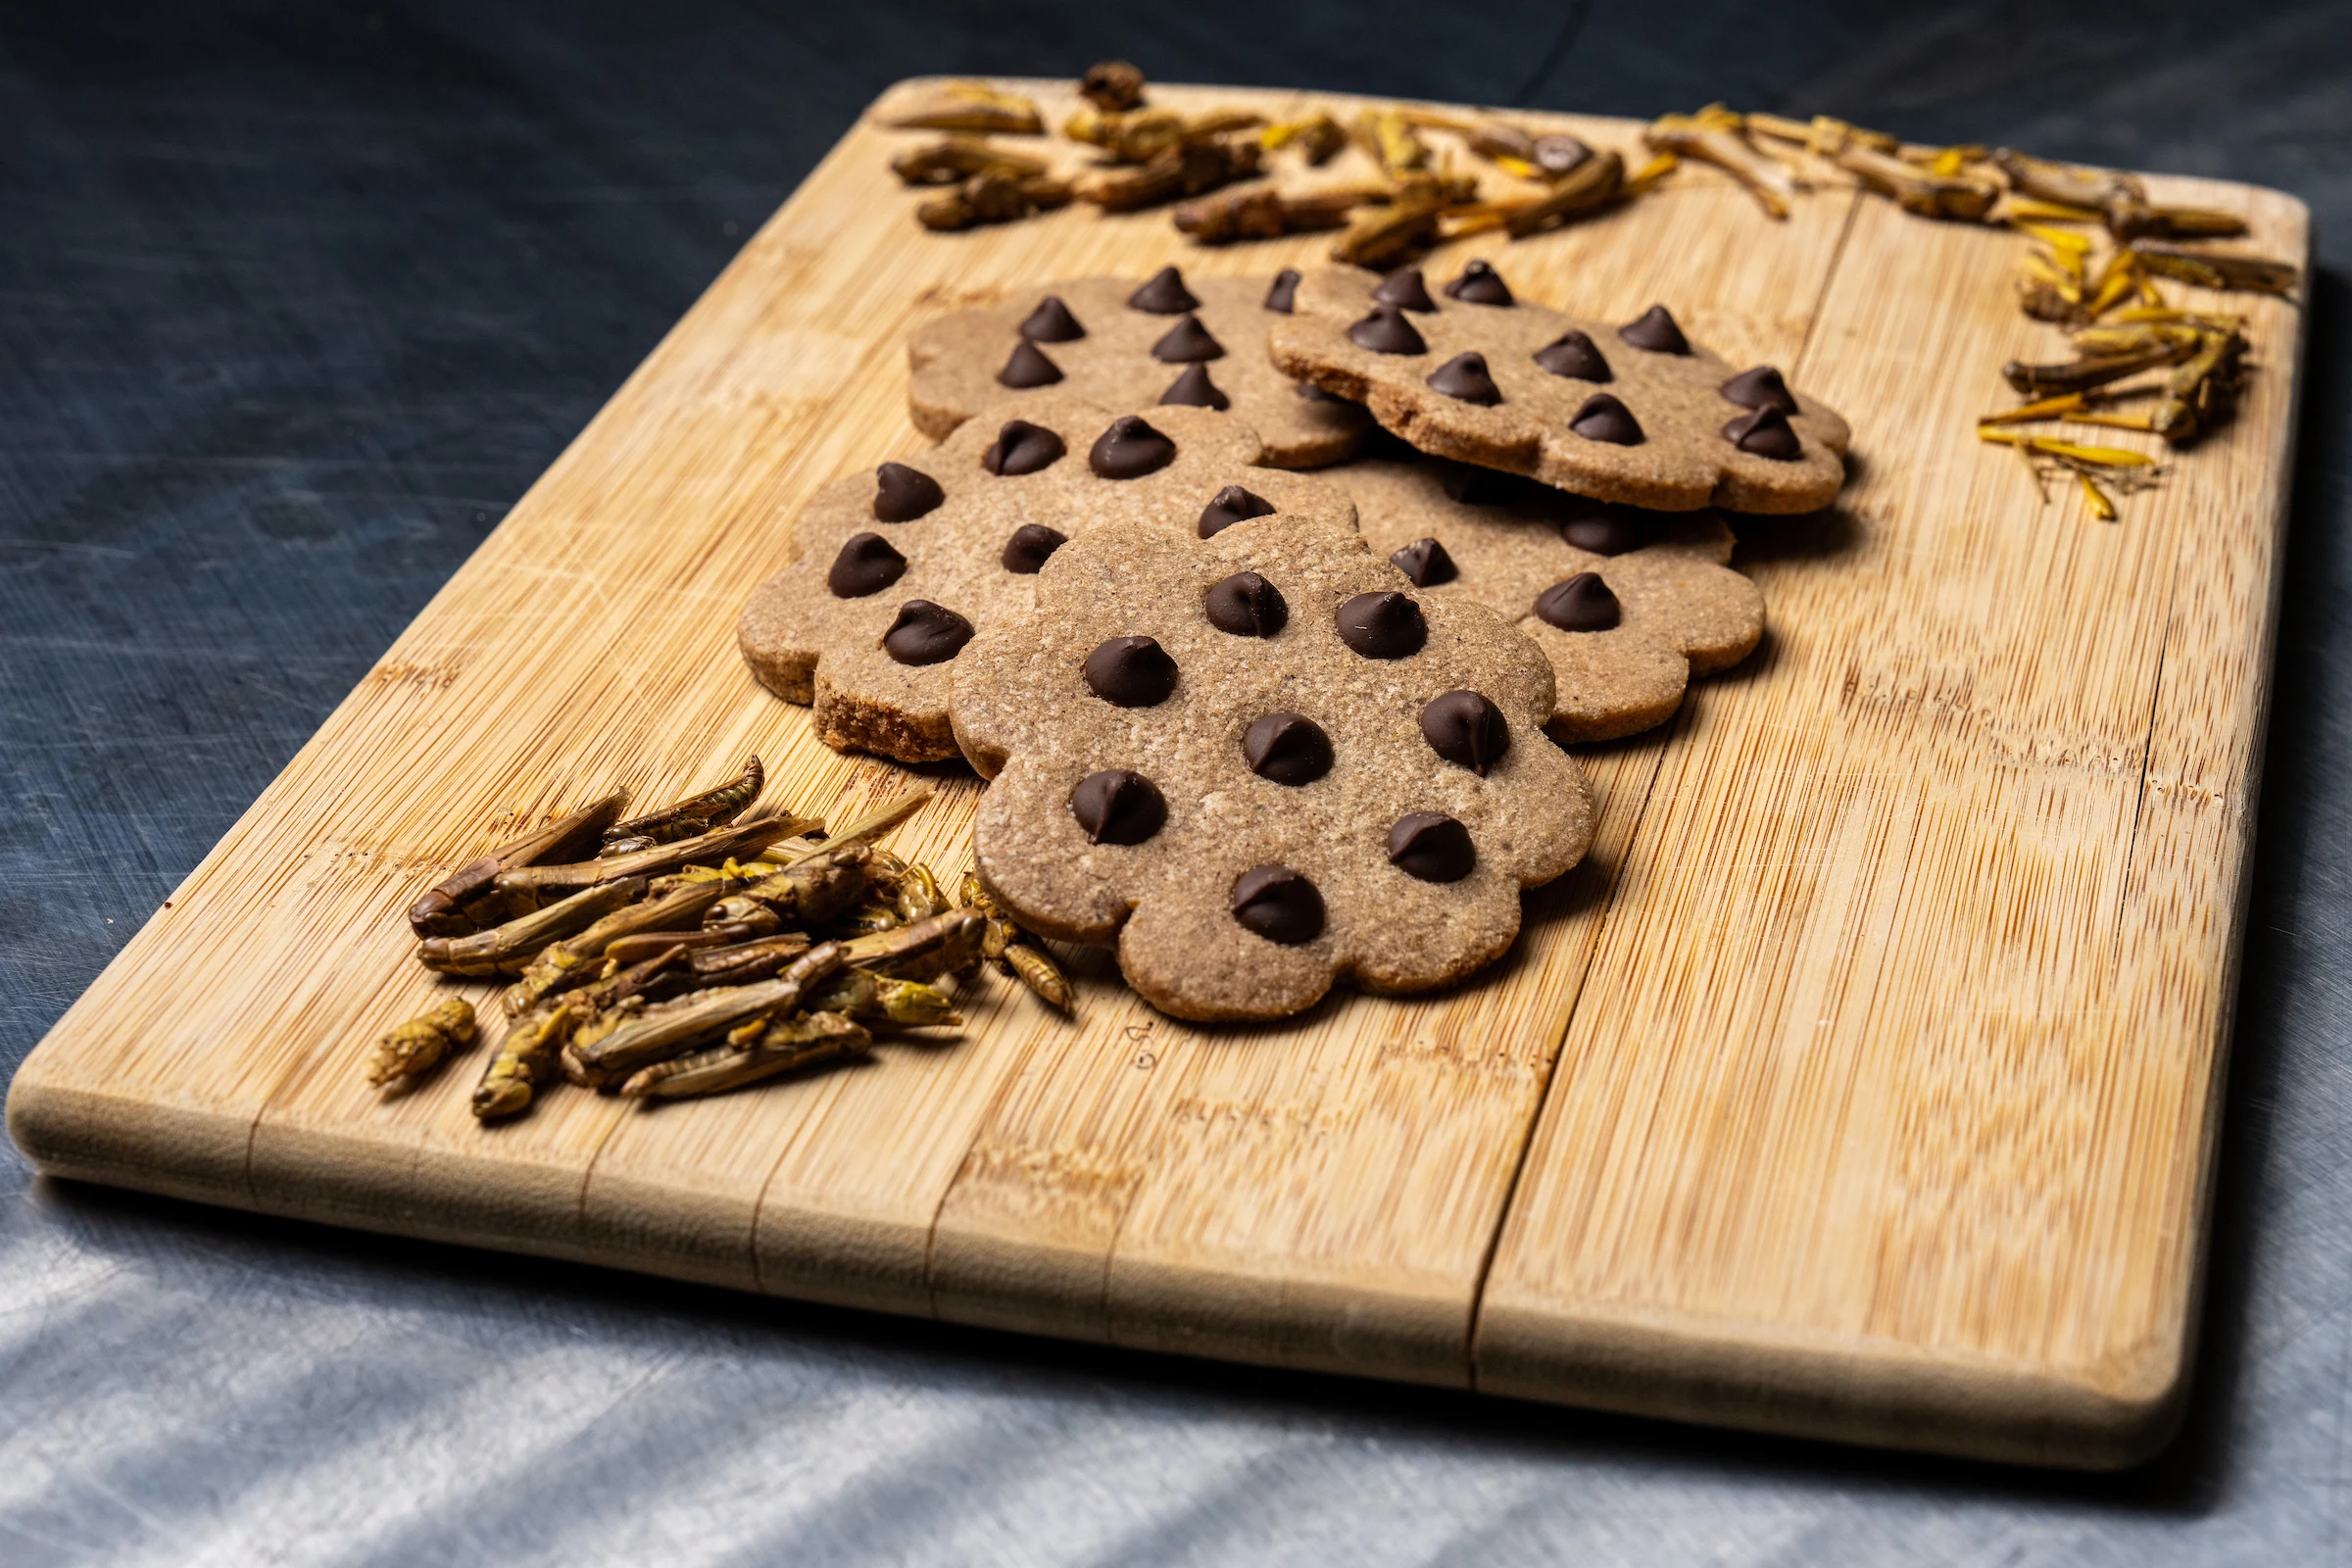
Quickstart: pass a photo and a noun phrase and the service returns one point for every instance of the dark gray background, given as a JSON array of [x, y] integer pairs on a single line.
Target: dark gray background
[[296, 300]]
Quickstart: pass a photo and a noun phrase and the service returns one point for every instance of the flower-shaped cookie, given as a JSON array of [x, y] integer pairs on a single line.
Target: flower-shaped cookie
[[896, 570], [1659, 605], [1264, 767], [1111, 342], [1633, 414]]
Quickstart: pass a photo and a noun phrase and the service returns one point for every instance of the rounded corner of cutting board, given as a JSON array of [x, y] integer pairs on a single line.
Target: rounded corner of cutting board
[[74, 1133]]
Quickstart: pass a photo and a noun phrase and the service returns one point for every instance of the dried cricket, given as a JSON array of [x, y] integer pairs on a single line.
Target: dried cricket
[[721, 844], [505, 949], [1016, 950], [956, 159], [1408, 226], [993, 197], [1187, 168], [686, 819], [774, 1049], [971, 106], [466, 900], [1925, 191], [671, 1028], [526, 1058], [577, 959], [410, 1050], [1112, 87], [1715, 135]]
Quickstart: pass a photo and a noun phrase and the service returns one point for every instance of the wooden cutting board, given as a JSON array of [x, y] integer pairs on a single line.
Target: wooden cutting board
[[1863, 1083]]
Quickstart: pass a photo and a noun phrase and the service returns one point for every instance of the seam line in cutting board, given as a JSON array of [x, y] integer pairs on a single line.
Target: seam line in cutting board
[[1608, 897]]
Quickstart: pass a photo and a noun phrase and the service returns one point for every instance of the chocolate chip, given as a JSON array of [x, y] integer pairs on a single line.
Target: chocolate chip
[[1407, 290], [1424, 562], [1022, 447], [1187, 343], [926, 633], [1474, 486], [1480, 284], [1131, 673], [1130, 449], [1654, 331], [903, 494], [1278, 904], [1118, 807], [1604, 418], [1031, 544], [1607, 530], [1232, 504], [1766, 433], [1432, 847], [1387, 331], [1465, 377], [1164, 295], [1028, 366], [1195, 390], [1051, 323], [1287, 749], [868, 564], [1556, 156], [1760, 388], [1246, 604], [1583, 603], [1573, 355], [1463, 727], [1382, 625], [1283, 297]]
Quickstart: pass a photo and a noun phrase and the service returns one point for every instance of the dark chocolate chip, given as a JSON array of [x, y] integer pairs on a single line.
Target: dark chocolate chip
[[1760, 388], [1278, 904], [1463, 727], [1604, 418], [868, 564], [1164, 295], [1766, 433], [903, 494], [1287, 749], [1283, 297], [1030, 546], [926, 633], [1583, 603], [1608, 530], [1246, 604], [1432, 847], [1051, 323], [1187, 343], [1130, 449], [1465, 377], [1474, 486], [1480, 284], [1654, 330], [1230, 506], [1022, 447], [1195, 390], [1118, 807], [1424, 562], [1131, 673], [1382, 625], [1387, 331], [1573, 355], [1556, 156], [1028, 366], [1407, 290]]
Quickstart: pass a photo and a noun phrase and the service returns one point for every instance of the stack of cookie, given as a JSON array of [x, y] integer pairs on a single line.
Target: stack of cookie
[[1269, 729]]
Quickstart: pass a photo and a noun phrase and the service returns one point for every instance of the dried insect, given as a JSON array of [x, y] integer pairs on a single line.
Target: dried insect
[[1266, 213], [413, 1048], [993, 196], [926, 950], [1715, 135], [466, 900], [1318, 136], [687, 818], [971, 106], [954, 159], [670, 1028], [505, 949], [1112, 86], [746, 962], [1187, 168], [1390, 137], [778, 1048], [813, 891], [721, 844], [1592, 185], [526, 1058], [2213, 270], [577, 959], [884, 998], [1015, 950], [1924, 191], [918, 895]]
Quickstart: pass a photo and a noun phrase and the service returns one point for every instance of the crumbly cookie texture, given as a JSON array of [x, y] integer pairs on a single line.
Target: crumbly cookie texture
[[973, 358], [1507, 543], [871, 617], [1304, 775], [1583, 406]]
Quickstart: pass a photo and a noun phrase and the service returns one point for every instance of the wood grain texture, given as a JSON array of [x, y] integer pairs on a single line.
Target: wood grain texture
[[1862, 1083]]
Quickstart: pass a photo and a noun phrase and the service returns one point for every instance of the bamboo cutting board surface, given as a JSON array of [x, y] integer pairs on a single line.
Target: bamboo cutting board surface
[[1862, 1083]]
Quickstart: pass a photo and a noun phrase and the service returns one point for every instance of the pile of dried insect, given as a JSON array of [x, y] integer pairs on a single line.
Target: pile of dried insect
[[696, 949]]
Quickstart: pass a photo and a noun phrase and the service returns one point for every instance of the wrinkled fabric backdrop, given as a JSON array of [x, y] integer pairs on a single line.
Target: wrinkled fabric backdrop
[[296, 300]]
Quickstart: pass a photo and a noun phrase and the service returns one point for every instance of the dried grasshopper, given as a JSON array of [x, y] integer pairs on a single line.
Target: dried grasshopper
[[670, 1028], [1138, 136], [1318, 136], [993, 196], [884, 998], [413, 1048], [466, 900], [766, 1051], [1924, 191], [973, 106], [1188, 169], [2212, 269], [721, 844], [1408, 224], [1264, 214], [1112, 87], [813, 891], [745, 962], [942, 945], [687, 818], [577, 959], [1715, 135], [526, 1058], [1598, 183], [1016, 950], [2202, 390], [2120, 201], [956, 159], [1387, 134], [505, 949], [919, 897], [2094, 369]]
